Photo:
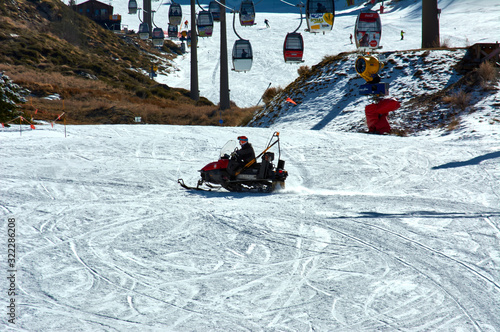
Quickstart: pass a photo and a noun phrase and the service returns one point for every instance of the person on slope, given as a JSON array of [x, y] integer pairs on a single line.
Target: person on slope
[[241, 157]]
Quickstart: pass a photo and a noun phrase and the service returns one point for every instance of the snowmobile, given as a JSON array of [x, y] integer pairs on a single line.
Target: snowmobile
[[255, 176]]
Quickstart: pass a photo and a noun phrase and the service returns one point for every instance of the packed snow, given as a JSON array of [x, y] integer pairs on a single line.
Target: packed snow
[[371, 233]]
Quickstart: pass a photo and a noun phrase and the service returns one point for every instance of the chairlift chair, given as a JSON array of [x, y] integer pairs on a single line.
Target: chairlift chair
[[247, 13], [175, 14], [158, 37], [214, 9], [132, 7], [143, 31], [242, 55], [205, 23], [320, 15], [293, 47], [368, 30]]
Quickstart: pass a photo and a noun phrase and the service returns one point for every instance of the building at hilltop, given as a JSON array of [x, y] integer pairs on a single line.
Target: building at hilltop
[[99, 12]]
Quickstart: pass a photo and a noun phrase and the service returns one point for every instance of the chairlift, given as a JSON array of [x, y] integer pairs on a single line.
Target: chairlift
[[175, 14], [368, 30], [214, 9], [205, 23], [158, 37], [320, 15], [173, 31], [132, 7], [143, 31], [247, 13]]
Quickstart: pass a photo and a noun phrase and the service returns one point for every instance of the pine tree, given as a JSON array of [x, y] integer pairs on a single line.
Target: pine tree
[[11, 94]]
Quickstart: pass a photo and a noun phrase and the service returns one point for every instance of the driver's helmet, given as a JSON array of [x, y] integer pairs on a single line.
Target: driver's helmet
[[242, 138]]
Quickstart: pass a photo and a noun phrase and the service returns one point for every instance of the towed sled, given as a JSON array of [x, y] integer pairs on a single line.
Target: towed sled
[[261, 176]]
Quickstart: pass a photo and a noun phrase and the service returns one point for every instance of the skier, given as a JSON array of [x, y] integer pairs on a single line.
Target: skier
[[186, 24], [350, 37], [241, 157], [267, 23], [402, 34]]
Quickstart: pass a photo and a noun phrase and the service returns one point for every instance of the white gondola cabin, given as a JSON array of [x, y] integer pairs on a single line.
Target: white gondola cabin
[[143, 31], [175, 14], [247, 13], [205, 24], [368, 30], [293, 47], [132, 7], [242, 55], [320, 15], [214, 9], [158, 37]]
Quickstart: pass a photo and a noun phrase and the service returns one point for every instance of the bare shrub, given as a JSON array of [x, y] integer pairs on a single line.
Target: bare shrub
[[303, 70], [460, 100], [270, 93], [454, 124], [487, 72]]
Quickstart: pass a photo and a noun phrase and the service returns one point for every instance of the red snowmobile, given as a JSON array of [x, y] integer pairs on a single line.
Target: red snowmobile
[[261, 176]]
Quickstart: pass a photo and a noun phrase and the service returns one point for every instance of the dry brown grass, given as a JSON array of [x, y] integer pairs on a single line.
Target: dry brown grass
[[453, 124], [303, 70], [459, 100], [271, 93], [86, 101], [487, 72]]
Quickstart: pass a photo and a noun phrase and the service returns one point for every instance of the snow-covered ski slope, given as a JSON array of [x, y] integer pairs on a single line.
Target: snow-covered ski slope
[[372, 233]]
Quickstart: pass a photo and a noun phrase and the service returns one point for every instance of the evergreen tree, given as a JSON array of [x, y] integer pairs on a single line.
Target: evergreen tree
[[11, 94]]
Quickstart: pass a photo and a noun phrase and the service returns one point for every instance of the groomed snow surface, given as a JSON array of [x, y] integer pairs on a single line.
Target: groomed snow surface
[[371, 233]]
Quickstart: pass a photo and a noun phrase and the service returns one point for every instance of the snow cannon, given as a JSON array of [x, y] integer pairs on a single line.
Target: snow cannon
[[259, 175], [368, 67]]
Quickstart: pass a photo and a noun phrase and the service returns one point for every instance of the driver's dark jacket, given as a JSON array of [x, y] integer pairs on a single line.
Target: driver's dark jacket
[[245, 154]]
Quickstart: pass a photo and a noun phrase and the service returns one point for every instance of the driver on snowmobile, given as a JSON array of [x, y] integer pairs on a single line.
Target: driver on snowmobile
[[241, 157], [245, 154]]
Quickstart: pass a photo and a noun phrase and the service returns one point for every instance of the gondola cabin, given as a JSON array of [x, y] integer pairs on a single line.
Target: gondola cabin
[[132, 7], [143, 31], [242, 55], [247, 13], [205, 24], [293, 47], [173, 31], [320, 15], [158, 36], [214, 9], [368, 30], [175, 14]]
